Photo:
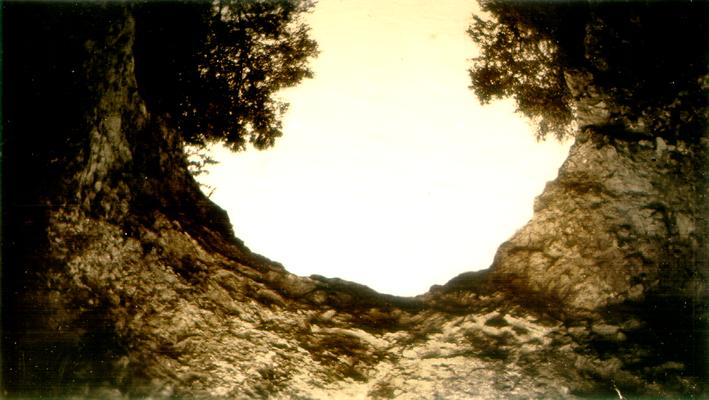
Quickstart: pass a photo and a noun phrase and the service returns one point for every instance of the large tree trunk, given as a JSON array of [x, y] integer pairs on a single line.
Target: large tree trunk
[[121, 278]]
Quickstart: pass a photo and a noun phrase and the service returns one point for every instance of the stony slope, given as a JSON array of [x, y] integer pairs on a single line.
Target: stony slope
[[120, 279]]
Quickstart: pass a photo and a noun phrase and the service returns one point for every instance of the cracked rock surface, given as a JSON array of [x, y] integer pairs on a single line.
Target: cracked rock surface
[[121, 280]]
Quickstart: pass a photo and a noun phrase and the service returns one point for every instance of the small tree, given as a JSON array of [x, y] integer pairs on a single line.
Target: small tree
[[216, 68], [644, 55]]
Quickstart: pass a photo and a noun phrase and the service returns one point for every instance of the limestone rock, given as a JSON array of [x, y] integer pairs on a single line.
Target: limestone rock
[[120, 279], [622, 219]]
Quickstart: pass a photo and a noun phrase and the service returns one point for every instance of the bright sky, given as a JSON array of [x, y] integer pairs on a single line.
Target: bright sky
[[389, 172]]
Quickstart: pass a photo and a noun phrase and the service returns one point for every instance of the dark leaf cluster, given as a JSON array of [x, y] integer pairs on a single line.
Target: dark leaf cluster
[[650, 57], [216, 68]]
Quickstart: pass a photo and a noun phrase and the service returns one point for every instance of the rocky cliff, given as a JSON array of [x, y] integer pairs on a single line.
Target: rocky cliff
[[120, 279]]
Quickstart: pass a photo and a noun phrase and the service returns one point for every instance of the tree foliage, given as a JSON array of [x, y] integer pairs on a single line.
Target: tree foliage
[[645, 55], [216, 68]]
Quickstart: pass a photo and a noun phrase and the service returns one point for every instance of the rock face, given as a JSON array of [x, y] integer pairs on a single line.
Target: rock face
[[120, 279], [622, 221]]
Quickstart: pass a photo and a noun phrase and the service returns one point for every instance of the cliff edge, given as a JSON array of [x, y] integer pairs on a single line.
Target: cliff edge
[[121, 279]]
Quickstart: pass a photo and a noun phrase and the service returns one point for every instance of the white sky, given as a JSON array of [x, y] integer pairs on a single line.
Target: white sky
[[389, 172]]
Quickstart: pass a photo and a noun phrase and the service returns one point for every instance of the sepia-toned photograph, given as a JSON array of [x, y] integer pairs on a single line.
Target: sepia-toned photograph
[[354, 199]]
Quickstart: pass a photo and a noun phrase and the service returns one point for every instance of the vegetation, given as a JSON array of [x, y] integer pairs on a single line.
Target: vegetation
[[216, 68], [650, 57]]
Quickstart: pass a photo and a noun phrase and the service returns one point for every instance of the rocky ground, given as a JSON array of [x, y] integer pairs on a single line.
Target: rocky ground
[[127, 282]]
